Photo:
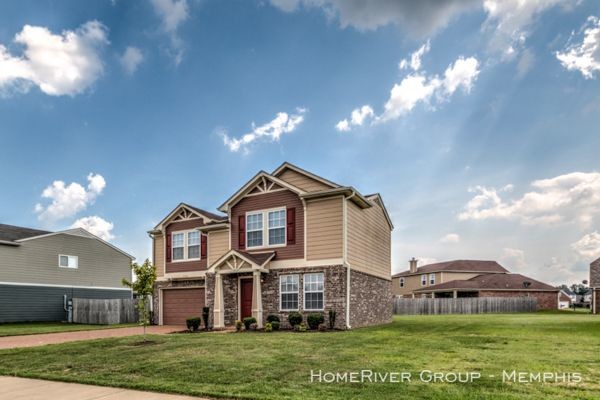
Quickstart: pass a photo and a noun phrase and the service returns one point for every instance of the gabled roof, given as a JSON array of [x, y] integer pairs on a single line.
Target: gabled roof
[[286, 165], [457, 266], [379, 200], [11, 233], [250, 184], [252, 261], [209, 215], [492, 282]]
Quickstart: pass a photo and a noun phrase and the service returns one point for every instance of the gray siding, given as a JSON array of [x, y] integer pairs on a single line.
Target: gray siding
[[44, 303], [36, 261]]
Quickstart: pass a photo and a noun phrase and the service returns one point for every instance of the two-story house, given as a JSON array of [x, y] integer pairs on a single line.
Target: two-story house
[[595, 285], [286, 241], [41, 271]]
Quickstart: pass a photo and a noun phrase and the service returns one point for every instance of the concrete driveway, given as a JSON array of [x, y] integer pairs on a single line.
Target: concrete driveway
[[35, 389], [10, 342]]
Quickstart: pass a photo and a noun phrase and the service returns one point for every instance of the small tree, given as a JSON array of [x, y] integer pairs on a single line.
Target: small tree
[[143, 285]]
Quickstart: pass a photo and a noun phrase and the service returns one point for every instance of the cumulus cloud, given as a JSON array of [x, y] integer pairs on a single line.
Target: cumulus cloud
[[68, 200], [588, 247], [281, 124], [450, 238], [421, 18], [59, 64], [172, 13], [357, 118], [131, 59], [415, 58], [96, 226], [570, 197], [584, 56]]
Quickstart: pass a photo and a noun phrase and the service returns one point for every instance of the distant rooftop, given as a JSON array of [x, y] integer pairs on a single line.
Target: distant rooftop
[[459, 266], [10, 233]]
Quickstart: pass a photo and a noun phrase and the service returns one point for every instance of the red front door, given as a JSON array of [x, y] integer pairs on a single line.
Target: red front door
[[245, 298]]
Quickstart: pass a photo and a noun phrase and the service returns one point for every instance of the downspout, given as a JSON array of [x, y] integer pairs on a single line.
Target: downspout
[[345, 258]]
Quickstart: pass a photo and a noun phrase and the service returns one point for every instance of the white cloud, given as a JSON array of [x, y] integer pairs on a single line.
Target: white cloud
[[59, 64], [96, 226], [68, 200], [282, 123], [460, 75], [513, 259], [357, 118], [131, 59], [343, 126], [450, 238], [172, 13], [588, 247], [405, 96], [415, 59], [509, 22], [585, 56], [570, 197], [418, 17], [425, 261]]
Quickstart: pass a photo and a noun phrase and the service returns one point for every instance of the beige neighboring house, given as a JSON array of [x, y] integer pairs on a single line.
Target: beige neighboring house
[[415, 278], [285, 241], [595, 285]]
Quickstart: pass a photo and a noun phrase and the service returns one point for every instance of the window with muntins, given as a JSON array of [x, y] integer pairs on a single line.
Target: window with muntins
[[178, 245], [432, 279], [254, 230], [276, 227], [193, 245], [266, 228], [185, 246], [401, 282], [288, 289], [423, 279], [65, 261], [313, 291]]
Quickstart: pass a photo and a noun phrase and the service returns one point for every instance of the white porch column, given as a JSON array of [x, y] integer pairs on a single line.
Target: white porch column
[[219, 312], [257, 309], [455, 294]]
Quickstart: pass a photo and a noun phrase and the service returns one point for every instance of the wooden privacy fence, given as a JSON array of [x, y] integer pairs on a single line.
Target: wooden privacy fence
[[104, 311], [464, 305]]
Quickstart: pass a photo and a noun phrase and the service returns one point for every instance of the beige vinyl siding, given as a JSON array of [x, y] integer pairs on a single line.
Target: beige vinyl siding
[[218, 244], [324, 223], [159, 254], [36, 261], [369, 240], [302, 181], [412, 282]]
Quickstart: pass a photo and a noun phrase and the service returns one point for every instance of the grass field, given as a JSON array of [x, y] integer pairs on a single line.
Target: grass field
[[278, 365], [32, 328]]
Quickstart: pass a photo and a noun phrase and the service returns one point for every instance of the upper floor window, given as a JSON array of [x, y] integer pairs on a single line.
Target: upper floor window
[[432, 279], [185, 245], [274, 235], [313, 291], [66, 261], [423, 279], [401, 282]]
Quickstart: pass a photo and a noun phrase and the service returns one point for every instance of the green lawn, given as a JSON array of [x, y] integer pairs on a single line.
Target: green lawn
[[278, 365], [32, 328]]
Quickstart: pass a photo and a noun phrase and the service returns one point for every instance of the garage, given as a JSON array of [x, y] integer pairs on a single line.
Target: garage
[[180, 304]]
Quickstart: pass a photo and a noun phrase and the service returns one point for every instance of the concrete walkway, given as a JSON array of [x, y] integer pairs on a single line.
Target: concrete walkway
[[11, 342], [35, 389]]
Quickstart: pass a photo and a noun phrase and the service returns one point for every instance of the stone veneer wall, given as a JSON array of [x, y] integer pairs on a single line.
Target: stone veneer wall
[[198, 282], [370, 300], [545, 300]]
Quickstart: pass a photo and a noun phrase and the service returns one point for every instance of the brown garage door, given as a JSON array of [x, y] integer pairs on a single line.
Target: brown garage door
[[180, 304]]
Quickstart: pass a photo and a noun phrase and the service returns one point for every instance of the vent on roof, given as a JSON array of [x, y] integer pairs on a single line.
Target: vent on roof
[[526, 284]]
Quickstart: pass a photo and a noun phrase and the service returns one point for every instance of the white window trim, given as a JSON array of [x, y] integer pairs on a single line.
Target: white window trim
[[265, 228], [280, 293], [401, 280], [432, 279], [185, 246], [66, 255], [423, 279], [304, 292]]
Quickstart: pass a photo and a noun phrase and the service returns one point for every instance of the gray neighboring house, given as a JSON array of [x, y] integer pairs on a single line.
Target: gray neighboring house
[[38, 268]]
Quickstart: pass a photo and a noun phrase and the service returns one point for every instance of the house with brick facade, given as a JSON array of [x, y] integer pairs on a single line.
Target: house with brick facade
[[471, 278], [595, 285], [285, 241]]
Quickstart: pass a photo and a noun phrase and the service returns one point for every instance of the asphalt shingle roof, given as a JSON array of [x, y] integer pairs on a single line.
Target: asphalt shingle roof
[[458, 265], [10, 233]]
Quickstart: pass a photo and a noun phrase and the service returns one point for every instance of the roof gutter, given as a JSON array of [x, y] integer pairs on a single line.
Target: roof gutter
[[9, 243]]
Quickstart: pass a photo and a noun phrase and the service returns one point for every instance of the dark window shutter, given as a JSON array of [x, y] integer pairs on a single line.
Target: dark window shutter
[[168, 247], [242, 231], [291, 225], [203, 243]]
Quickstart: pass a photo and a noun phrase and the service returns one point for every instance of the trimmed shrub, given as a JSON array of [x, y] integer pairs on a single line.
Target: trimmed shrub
[[314, 320], [253, 326], [300, 327], [238, 325], [273, 318], [275, 325], [322, 328], [249, 321], [295, 318], [205, 316], [332, 314], [193, 323], [268, 327]]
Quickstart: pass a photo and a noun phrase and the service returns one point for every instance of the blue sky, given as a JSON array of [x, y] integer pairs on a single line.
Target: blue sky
[[484, 144]]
